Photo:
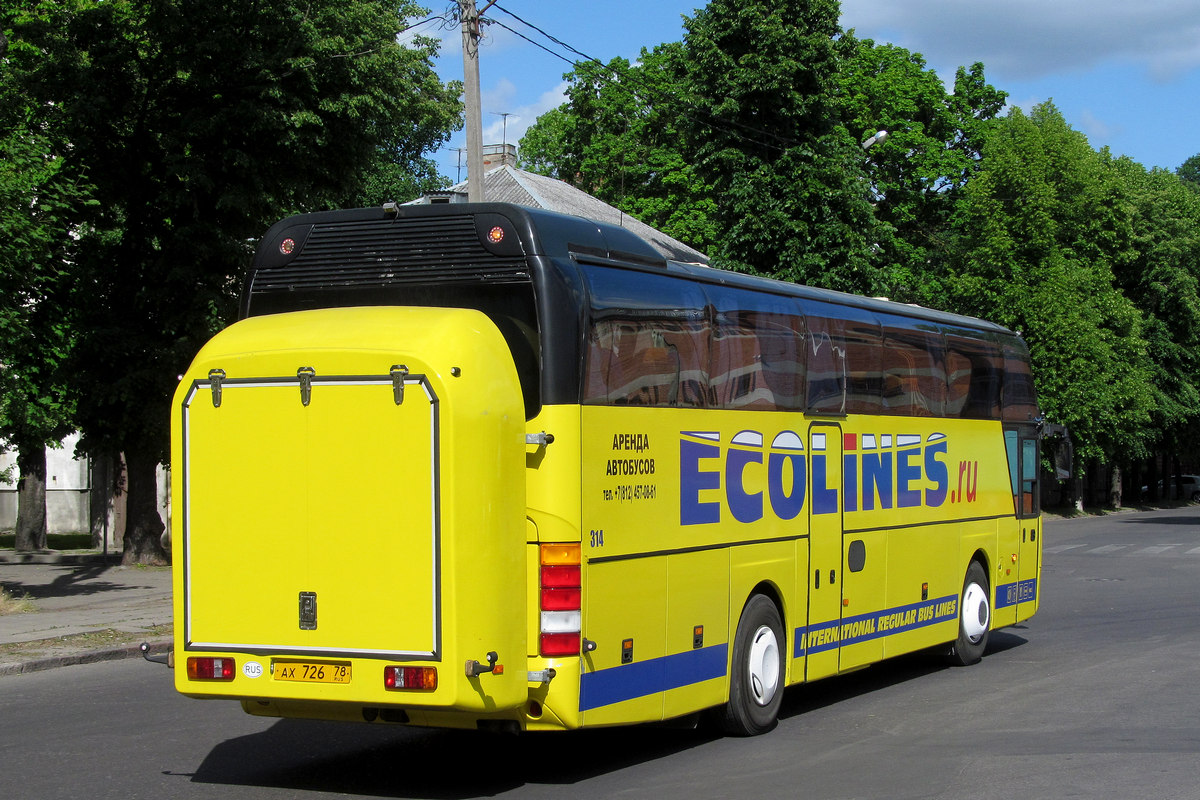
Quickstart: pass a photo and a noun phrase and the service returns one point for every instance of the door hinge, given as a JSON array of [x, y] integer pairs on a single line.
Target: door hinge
[[215, 376], [399, 372]]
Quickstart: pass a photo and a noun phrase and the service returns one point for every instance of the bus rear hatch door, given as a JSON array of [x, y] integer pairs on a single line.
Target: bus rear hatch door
[[351, 485], [320, 521]]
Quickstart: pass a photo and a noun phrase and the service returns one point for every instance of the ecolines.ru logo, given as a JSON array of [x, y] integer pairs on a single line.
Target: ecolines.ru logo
[[751, 476]]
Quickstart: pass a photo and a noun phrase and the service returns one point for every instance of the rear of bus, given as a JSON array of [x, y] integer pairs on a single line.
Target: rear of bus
[[356, 535]]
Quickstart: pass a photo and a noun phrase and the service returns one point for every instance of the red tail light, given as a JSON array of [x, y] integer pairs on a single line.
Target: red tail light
[[209, 668], [561, 599], [419, 678]]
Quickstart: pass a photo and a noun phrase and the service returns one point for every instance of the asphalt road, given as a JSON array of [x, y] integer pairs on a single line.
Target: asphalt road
[[1096, 697]]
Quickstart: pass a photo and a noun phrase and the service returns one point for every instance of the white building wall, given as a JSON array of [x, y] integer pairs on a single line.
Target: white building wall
[[67, 490]]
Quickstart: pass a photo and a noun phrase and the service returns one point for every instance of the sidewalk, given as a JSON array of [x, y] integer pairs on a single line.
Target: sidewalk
[[84, 608]]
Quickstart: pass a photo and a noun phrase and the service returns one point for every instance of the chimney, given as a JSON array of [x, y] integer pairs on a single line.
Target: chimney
[[499, 155]]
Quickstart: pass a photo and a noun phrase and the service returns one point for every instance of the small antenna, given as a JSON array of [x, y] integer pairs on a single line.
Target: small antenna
[[504, 128]]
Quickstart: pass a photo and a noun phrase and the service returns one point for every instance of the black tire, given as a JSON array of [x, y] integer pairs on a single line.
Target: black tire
[[974, 618], [757, 679]]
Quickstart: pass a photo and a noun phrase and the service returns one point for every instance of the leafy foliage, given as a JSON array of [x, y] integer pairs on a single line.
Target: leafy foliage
[[619, 138], [1163, 281], [932, 149], [215, 119], [1189, 172], [1045, 225], [764, 78], [38, 200]]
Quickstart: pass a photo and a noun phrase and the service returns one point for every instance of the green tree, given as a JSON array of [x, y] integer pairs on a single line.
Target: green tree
[[214, 120], [1045, 225], [621, 137], [933, 147], [1189, 172], [38, 201], [763, 83], [545, 146], [1163, 281]]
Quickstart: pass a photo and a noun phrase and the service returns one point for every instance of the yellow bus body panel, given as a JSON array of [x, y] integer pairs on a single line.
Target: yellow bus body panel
[[369, 514], [915, 500]]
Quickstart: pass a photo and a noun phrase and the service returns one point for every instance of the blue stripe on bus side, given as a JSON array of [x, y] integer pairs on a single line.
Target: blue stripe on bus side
[[850, 630], [641, 678], [1009, 594]]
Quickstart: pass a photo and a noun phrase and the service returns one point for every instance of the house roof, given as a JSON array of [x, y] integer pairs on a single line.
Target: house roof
[[507, 184]]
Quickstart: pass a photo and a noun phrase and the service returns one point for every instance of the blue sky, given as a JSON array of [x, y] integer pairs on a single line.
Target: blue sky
[[1124, 73]]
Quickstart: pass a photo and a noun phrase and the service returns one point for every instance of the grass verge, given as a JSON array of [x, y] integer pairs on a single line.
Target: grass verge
[[98, 640], [10, 604]]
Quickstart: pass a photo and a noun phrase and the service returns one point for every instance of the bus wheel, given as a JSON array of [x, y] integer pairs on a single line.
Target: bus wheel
[[756, 685], [974, 618]]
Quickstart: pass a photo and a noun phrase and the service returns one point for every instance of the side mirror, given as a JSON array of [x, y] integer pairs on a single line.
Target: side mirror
[[1058, 441]]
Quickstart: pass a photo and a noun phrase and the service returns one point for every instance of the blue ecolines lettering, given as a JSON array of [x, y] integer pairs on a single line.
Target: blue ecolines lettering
[[748, 477]]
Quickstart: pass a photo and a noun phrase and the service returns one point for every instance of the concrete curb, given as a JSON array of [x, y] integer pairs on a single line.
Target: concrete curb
[[84, 657]]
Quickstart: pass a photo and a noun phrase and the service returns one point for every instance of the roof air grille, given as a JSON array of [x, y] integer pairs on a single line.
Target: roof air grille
[[391, 252]]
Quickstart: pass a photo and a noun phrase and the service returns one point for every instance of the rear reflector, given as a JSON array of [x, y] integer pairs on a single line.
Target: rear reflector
[[411, 678], [209, 668]]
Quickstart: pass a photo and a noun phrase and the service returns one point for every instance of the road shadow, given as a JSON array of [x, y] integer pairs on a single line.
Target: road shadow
[[385, 761], [378, 761], [1192, 520], [70, 582], [884, 675]]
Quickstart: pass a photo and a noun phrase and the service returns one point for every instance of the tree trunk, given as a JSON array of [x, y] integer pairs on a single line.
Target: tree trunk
[[31, 498], [143, 525], [1114, 486], [1077, 488]]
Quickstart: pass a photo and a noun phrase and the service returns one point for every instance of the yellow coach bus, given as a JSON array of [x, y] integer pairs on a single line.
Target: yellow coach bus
[[484, 466]]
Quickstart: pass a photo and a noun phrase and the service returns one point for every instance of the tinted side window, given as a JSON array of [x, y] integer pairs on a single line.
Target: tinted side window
[[648, 341], [1020, 398], [914, 378], [845, 364], [757, 350], [974, 374], [864, 368]]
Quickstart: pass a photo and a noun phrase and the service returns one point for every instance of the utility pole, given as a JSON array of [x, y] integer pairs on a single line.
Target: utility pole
[[470, 45]]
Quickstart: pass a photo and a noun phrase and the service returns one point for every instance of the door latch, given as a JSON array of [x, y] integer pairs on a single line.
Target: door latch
[[305, 374]]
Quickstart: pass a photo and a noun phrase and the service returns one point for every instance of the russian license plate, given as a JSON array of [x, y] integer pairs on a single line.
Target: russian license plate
[[311, 671]]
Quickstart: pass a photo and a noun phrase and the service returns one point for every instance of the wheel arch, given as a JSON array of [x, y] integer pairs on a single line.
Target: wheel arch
[[981, 556], [771, 592]]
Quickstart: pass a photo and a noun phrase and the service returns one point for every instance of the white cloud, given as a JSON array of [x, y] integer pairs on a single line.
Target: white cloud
[[1027, 39], [500, 95], [520, 117], [1097, 129]]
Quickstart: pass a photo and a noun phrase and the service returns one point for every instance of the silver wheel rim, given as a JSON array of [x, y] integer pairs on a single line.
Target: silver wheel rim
[[975, 612], [764, 665]]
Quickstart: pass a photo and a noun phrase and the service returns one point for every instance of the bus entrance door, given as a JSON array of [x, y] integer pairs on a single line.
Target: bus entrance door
[[1029, 512], [821, 641]]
